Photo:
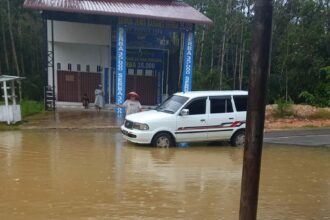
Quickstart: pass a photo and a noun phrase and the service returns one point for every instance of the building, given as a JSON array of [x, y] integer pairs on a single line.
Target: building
[[141, 45]]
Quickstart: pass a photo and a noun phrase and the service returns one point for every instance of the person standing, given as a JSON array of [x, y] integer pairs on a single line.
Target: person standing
[[132, 104], [99, 100], [85, 101]]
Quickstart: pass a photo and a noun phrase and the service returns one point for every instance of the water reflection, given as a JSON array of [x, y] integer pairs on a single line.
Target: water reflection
[[97, 175]]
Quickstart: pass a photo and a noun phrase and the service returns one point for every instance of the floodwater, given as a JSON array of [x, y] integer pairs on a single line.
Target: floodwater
[[96, 175]]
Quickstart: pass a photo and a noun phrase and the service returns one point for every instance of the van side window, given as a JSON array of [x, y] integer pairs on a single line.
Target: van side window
[[240, 103], [197, 107], [221, 105]]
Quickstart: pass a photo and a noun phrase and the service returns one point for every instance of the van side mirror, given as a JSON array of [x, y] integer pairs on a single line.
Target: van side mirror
[[184, 112]]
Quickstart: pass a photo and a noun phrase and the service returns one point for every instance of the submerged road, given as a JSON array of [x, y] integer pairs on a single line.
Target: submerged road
[[303, 137]]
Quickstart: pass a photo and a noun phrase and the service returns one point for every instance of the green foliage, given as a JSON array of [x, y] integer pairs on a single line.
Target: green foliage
[[27, 30], [300, 47], [31, 107], [309, 98], [320, 96], [284, 108]]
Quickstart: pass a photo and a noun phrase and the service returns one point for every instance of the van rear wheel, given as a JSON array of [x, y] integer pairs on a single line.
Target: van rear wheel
[[163, 139], [238, 139]]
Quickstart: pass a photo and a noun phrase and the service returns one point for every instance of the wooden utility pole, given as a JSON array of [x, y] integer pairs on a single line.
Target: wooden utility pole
[[256, 109]]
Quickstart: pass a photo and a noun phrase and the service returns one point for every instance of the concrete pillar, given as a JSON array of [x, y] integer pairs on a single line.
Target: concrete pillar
[[120, 67], [6, 100], [188, 60], [13, 94]]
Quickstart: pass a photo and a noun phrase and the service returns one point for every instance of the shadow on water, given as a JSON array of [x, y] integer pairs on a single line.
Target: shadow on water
[[97, 175]]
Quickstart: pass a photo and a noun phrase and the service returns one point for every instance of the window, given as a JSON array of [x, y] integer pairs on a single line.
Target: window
[[197, 107], [78, 67], [99, 69], [130, 71], [149, 73], [172, 104], [240, 103], [69, 67], [88, 68], [58, 66], [221, 105]]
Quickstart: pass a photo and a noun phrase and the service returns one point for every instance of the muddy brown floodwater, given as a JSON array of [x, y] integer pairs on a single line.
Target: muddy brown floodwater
[[96, 175]]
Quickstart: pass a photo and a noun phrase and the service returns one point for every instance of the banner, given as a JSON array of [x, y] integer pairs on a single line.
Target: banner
[[189, 42], [120, 67]]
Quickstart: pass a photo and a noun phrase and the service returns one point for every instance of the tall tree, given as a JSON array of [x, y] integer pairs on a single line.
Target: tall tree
[[12, 40], [4, 43]]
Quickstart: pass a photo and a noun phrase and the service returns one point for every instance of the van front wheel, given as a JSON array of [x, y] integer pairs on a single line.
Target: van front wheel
[[238, 139], [162, 139]]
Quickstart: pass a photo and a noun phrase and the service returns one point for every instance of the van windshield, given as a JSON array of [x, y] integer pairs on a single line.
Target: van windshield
[[172, 104]]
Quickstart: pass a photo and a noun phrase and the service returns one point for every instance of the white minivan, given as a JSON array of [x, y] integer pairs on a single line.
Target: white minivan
[[191, 117]]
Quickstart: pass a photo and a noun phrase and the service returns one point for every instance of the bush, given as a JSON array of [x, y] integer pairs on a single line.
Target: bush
[[284, 108], [320, 96], [29, 107], [316, 100]]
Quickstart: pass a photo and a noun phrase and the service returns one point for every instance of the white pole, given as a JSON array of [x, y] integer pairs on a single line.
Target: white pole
[[13, 95], [6, 100]]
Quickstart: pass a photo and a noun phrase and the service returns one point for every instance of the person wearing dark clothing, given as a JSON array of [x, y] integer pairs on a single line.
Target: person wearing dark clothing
[[85, 101]]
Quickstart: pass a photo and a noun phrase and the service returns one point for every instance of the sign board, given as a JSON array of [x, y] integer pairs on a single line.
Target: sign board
[[189, 42], [120, 67], [158, 25]]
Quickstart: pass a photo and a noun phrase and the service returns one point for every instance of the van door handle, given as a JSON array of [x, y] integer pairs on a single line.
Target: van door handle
[[231, 118], [202, 120]]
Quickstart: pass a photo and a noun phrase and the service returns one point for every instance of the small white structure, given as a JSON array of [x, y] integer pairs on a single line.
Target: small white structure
[[10, 112]]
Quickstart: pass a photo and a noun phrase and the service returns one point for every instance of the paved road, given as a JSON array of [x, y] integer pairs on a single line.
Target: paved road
[[304, 137]]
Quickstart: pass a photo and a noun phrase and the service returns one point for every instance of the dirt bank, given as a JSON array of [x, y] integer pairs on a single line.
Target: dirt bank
[[296, 116]]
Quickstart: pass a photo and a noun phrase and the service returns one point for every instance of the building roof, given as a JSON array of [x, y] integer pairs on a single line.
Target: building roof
[[196, 94], [6, 78], [171, 10]]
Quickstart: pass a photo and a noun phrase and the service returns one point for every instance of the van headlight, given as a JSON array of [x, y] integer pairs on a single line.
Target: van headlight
[[140, 126]]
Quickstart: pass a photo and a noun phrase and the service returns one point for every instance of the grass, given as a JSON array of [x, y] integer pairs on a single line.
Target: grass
[[29, 107], [5, 127], [321, 114], [284, 109], [310, 126]]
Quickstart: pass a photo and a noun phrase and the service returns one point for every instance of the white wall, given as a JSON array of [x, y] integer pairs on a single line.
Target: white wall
[[77, 43], [73, 32]]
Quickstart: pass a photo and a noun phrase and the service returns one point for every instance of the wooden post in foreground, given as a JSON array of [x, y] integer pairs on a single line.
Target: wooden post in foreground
[[256, 109]]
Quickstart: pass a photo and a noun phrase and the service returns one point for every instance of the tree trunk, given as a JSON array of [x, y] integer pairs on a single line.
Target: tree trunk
[[13, 48], [241, 72], [212, 52], [201, 50], [223, 48], [327, 3], [235, 68], [12, 40], [242, 51], [20, 38], [4, 41], [222, 57]]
